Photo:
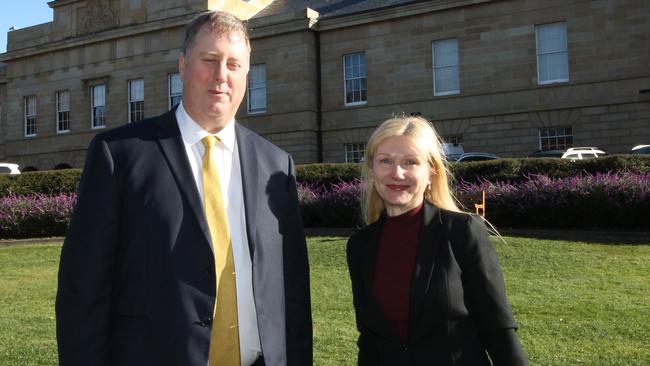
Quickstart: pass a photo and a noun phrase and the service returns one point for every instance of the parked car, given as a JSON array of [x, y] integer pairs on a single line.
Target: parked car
[[476, 156], [8, 168], [641, 150], [452, 151], [547, 154], [578, 153]]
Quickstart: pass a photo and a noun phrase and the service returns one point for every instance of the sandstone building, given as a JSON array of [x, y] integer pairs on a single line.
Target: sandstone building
[[502, 76]]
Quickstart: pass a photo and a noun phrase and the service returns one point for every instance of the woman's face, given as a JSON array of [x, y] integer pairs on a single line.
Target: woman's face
[[400, 173]]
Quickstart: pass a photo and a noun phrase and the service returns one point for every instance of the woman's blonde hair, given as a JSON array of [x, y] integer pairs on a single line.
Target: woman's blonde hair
[[430, 146]]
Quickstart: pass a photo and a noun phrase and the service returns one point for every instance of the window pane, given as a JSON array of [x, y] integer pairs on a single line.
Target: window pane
[[446, 70], [136, 90], [552, 53], [445, 52], [98, 95], [257, 88], [551, 37], [355, 78]]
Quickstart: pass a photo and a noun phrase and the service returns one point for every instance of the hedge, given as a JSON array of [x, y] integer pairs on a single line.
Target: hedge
[[607, 193], [326, 174], [616, 200], [48, 182]]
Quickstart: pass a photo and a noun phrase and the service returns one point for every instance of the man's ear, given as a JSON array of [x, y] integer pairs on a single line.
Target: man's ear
[[181, 66]]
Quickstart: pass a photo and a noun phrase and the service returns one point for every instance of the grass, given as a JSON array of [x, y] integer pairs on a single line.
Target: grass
[[577, 303]]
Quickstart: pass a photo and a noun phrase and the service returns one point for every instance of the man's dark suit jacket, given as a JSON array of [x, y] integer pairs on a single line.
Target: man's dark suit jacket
[[136, 278], [458, 306]]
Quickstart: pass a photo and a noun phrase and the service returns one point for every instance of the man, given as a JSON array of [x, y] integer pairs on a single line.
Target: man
[[137, 277]]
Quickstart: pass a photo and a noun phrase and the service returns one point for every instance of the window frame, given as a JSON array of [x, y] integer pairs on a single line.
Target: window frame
[[556, 136], [30, 117], [253, 87], [454, 65], [94, 115], [170, 92], [354, 152], [60, 113], [363, 79], [564, 51], [135, 106]]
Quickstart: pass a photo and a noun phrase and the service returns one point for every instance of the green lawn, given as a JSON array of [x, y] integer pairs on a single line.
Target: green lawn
[[576, 303]]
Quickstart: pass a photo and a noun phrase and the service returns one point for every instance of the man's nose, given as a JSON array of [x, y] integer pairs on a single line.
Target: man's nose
[[221, 72]]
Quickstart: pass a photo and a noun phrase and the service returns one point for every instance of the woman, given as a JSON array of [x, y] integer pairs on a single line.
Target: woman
[[426, 282]]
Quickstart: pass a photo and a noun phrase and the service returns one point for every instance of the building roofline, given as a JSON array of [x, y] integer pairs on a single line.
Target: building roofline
[[101, 36]]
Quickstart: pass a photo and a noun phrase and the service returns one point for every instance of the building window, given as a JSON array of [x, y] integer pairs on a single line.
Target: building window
[[175, 89], [30, 116], [555, 138], [62, 111], [552, 53], [354, 152], [446, 68], [355, 78], [257, 89], [98, 106], [136, 100]]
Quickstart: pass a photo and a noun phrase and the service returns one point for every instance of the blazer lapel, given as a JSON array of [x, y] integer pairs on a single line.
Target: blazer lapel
[[171, 144], [425, 259], [248, 153]]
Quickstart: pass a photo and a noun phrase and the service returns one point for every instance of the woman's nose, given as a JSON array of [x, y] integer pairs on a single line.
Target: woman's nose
[[398, 171]]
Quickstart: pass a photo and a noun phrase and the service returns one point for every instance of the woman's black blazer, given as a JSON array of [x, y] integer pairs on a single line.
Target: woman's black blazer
[[458, 306]]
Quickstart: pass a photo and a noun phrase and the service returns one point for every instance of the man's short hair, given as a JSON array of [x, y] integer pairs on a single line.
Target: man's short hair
[[217, 21]]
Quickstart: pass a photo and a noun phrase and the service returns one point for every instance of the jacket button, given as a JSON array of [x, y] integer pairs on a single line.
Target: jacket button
[[206, 321]]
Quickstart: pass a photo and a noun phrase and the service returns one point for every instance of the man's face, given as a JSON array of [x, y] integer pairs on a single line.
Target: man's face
[[214, 71]]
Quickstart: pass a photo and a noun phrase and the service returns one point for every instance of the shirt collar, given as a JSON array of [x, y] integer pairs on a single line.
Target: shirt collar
[[192, 133]]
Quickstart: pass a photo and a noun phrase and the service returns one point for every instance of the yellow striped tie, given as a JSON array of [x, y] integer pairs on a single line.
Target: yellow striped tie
[[224, 341]]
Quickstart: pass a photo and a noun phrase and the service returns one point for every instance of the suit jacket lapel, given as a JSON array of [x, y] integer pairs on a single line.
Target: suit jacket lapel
[[248, 153], [425, 259], [171, 144]]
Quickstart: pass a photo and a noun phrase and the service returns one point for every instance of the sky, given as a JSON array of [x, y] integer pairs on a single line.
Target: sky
[[22, 14]]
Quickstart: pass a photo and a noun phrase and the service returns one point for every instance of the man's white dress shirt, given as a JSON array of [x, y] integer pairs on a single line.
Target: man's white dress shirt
[[229, 169]]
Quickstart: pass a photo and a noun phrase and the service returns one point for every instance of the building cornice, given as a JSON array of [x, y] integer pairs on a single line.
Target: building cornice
[[286, 22], [393, 12], [56, 3], [102, 36]]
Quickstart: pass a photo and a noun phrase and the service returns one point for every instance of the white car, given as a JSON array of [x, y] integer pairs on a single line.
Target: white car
[[641, 149], [8, 168], [476, 156], [579, 153]]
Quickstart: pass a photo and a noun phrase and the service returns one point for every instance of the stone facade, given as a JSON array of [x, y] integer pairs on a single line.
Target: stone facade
[[500, 107]]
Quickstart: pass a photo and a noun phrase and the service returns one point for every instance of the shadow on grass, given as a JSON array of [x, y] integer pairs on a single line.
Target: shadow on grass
[[591, 236]]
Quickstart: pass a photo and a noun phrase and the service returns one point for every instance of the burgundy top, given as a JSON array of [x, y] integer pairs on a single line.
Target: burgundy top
[[394, 267]]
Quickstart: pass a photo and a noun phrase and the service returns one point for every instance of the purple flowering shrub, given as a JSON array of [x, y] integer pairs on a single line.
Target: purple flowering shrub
[[37, 215], [334, 205], [603, 200]]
